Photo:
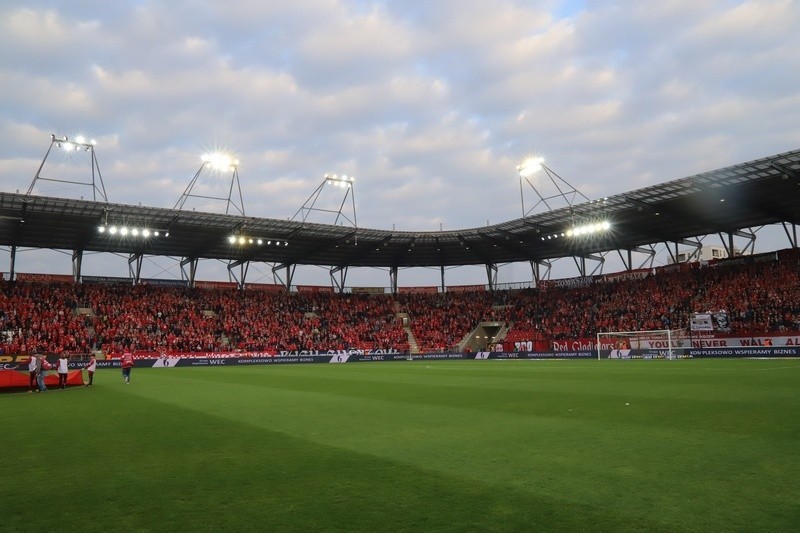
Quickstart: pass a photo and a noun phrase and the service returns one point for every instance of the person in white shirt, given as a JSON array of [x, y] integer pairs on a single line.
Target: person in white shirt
[[90, 367], [62, 370], [32, 374]]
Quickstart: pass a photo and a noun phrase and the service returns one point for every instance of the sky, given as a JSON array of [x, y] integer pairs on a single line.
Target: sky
[[429, 105]]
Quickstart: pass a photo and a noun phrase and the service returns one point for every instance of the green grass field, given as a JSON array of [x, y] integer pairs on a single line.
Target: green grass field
[[704, 445]]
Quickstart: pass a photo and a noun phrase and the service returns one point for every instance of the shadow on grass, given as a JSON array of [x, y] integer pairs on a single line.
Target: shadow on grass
[[139, 464]]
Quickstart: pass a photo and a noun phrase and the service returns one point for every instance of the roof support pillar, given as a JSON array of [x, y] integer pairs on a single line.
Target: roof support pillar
[[730, 249], [441, 277], [12, 262], [792, 235], [338, 285], [135, 267], [289, 274], [242, 265], [393, 280], [77, 263], [580, 262], [192, 263], [697, 245], [536, 268], [649, 252], [694, 244], [491, 275]]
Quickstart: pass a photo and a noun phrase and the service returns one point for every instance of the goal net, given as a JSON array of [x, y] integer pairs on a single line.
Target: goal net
[[645, 344]]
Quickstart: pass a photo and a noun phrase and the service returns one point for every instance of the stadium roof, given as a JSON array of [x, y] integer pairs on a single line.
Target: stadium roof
[[748, 195]]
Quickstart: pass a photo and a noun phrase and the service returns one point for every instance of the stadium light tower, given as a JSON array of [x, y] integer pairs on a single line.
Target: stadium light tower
[[338, 184], [332, 186], [71, 148], [219, 163], [550, 188]]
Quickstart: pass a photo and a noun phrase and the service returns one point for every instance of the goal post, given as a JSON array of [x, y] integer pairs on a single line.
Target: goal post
[[642, 344]]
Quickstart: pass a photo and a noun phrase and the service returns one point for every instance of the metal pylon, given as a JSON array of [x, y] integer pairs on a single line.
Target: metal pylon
[[551, 190], [73, 147], [215, 163]]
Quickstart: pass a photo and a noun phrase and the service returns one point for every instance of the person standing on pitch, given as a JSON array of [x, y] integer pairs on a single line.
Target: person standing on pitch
[[63, 370], [42, 366], [127, 364], [32, 382], [90, 368]]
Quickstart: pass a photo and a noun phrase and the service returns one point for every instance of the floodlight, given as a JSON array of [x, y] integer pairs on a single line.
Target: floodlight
[[101, 229], [156, 233], [80, 139], [112, 230], [220, 161], [135, 232], [145, 232], [123, 231], [232, 239], [241, 240], [260, 242], [530, 166]]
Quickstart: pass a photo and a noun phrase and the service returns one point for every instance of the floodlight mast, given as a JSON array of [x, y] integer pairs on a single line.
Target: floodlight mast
[[74, 145], [218, 162], [347, 183], [561, 190]]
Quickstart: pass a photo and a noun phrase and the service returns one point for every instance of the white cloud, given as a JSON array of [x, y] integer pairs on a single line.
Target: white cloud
[[430, 104]]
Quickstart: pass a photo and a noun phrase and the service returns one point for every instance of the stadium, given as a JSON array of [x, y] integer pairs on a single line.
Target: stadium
[[657, 398], [489, 266]]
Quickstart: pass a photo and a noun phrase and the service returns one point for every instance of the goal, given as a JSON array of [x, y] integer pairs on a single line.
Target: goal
[[644, 344]]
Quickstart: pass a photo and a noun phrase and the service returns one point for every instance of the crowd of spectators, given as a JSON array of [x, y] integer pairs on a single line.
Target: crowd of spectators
[[761, 297], [757, 298]]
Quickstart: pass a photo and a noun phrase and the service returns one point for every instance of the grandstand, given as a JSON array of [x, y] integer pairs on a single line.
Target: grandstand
[[761, 297], [108, 314]]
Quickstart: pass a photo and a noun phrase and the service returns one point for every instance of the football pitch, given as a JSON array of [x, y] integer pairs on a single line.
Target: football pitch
[[698, 445]]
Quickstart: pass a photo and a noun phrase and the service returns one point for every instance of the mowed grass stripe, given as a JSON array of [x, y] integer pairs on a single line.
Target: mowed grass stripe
[[408, 428], [499, 433], [151, 466], [710, 404]]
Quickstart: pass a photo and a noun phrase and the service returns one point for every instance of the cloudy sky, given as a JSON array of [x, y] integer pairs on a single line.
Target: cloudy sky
[[429, 104]]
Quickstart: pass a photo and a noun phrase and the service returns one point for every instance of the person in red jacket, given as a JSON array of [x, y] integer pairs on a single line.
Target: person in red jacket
[[127, 364]]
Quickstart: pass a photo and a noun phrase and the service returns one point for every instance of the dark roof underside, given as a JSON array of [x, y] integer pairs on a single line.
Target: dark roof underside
[[749, 195]]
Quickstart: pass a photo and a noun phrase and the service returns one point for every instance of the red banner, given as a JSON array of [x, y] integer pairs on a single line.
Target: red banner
[[420, 290], [215, 284], [19, 380], [265, 287], [44, 278], [367, 290], [313, 288], [466, 288]]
